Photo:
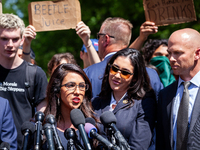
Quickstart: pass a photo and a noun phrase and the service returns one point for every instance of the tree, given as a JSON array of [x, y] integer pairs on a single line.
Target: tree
[[94, 13]]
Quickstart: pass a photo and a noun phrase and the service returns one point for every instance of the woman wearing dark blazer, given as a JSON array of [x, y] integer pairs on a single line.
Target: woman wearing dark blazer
[[127, 92], [69, 88]]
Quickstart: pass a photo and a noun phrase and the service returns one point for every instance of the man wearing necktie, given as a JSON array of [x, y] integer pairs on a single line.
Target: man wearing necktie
[[178, 120]]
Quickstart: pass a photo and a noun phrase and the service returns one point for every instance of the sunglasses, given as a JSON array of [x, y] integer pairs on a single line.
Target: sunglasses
[[98, 35], [123, 73], [71, 86]]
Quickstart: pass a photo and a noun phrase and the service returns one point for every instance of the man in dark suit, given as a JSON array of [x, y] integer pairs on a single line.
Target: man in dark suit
[[114, 35], [8, 132], [178, 127]]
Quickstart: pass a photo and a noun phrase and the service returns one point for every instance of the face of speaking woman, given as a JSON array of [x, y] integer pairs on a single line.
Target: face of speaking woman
[[120, 75], [72, 91], [68, 88]]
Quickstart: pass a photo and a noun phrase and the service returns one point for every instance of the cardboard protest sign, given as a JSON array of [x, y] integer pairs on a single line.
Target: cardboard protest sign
[[164, 12], [0, 7], [54, 15]]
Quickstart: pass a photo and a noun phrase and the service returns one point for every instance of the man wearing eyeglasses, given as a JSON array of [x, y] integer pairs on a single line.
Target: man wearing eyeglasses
[[114, 35]]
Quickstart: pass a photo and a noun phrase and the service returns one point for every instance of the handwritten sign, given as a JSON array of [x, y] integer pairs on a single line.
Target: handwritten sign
[[164, 12], [54, 15], [0, 7]]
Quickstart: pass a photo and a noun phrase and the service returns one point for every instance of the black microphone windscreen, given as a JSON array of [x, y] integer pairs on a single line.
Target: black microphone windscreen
[[5, 146], [90, 120], [39, 116], [107, 117], [77, 117], [50, 119], [28, 125], [70, 133]]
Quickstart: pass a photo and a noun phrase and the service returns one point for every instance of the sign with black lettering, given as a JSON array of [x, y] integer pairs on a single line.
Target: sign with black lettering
[[0, 7], [164, 12], [54, 15]]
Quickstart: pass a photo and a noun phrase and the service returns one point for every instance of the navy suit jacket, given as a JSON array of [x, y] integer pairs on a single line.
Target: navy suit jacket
[[8, 132], [96, 71], [135, 123], [164, 138]]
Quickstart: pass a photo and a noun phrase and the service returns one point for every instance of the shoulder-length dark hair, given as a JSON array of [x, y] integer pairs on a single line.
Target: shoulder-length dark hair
[[53, 90], [140, 83]]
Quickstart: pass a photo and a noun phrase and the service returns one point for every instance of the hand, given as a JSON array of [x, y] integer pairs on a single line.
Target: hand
[[146, 29], [29, 34], [83, 32]]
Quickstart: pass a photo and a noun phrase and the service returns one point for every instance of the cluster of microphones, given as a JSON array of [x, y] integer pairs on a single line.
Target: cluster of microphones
[[86, 127]]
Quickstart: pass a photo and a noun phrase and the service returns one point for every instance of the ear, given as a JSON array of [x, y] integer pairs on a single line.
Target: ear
[[107, 40], [197, 54], [57, 90], [22, 41], [81, 54], [58, 95]]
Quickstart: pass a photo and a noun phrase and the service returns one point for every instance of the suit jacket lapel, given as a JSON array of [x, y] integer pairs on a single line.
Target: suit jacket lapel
[[123, 103], [171, 120], [170, 110], [195, 112]]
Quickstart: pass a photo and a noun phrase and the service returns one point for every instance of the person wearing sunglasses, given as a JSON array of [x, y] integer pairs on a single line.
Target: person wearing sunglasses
[[126, 91], [68, 89], [115, 34]]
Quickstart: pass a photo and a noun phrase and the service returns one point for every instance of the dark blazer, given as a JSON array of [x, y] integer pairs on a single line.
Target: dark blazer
[[135, 123], [95, 74], [96, 71], [8, 132], [165, 120]]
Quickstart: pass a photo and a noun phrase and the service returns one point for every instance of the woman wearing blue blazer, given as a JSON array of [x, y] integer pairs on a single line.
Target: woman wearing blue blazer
[[126, 91]]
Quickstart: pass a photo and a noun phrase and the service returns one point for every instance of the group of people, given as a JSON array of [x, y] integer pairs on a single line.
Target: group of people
[[119, 81]]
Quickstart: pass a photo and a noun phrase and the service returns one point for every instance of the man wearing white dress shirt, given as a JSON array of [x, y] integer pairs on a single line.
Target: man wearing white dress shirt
[[177, 102]]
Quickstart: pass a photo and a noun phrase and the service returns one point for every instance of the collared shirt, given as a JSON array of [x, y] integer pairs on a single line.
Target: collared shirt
[[112, 53], [193, 89], [114, 102]]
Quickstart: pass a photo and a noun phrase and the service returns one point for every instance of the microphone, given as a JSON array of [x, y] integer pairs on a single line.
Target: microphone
[[78, 120], [91, 130], [39, 117], [70, 134], [49, 136], [108, 119], [90, 120], [51, 119], [27, 130], [5, 146]]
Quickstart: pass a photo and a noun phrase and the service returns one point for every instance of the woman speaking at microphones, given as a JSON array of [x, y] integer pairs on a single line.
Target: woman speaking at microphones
[[68, 89]]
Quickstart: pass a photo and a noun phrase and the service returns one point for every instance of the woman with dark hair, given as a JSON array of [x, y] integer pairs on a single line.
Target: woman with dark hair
[[58, 59], [127, 92], [69, 88]]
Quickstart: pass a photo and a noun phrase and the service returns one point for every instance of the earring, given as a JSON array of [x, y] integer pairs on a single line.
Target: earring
[[58, 101]]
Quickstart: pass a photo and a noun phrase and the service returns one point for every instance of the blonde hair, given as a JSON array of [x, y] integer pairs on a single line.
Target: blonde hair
[[10, 21], [118, 27]]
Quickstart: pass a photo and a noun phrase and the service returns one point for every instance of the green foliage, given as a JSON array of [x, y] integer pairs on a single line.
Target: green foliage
[[94, 13]]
